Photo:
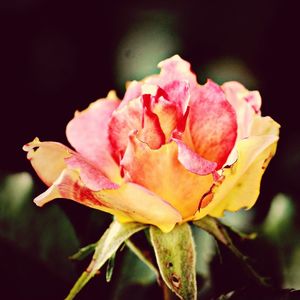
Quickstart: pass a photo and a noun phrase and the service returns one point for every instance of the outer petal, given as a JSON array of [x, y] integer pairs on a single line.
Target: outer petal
[[133, 90], [240, 188], [87, 133], [47, 159], [212, 124], [246, 104], [192, 161], [129, 202], [169, 179]]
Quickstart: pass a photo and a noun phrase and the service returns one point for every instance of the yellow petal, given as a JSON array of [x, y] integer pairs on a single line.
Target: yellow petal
[[241, 186], [47, 158], [161, 172], [129, 202], [141, 205]]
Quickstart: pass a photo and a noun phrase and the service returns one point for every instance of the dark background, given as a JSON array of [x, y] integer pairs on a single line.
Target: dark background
[[58, 56]]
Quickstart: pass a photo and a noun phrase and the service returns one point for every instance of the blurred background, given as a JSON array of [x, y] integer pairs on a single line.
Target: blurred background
[[58, 56]]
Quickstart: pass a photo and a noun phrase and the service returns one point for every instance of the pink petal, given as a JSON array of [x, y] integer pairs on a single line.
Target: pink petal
[[88, 134], [192, 161], [133, 90], [212, 123], [179, 93], [246, 104], [89, 174], [173, 69]]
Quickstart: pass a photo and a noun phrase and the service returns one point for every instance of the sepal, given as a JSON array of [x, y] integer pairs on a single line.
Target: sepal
[[106, 247], [175, 255]]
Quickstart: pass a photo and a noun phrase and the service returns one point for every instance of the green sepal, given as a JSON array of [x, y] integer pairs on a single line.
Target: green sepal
[[110, 267], [84, 252], [175, 255], [108, 244]]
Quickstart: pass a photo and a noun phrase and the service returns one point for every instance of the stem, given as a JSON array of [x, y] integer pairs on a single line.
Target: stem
[[167, 293], [218, 230], [243, 258]]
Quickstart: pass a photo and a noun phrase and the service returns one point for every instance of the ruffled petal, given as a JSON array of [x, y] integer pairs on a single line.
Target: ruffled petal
[[212, 124], [241, 184], [173, 69], [151, 132], [47, 159], [137, 115], [161, 172], [87, 132], [129, 202]]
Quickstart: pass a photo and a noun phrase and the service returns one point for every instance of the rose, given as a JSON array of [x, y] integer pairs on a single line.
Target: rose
[[170, 152]]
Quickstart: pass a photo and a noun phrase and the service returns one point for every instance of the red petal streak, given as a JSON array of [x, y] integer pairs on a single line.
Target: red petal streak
[[179, 93], [212, 123], [129, 201], [67, 186], [151, 133], [90, 175], [124, 120]]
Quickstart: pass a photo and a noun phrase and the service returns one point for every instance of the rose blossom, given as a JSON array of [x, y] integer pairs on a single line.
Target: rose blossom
[[171, 151]]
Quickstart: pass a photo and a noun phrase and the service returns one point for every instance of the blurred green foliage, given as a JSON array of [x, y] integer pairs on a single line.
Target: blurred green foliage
[[35, 246]]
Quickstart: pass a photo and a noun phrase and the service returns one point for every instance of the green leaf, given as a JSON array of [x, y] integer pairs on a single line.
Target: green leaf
[[175, 254], [205, 250], [108, 244], [135, 275], [48, 232], [280, 218]]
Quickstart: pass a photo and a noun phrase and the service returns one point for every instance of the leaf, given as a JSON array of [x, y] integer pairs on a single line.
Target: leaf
[[108, 244], [205, 250], [280, 218], [219, 231], [48, 231], [175, 254]]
